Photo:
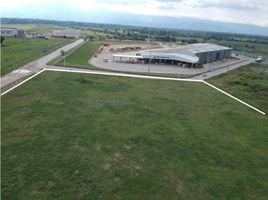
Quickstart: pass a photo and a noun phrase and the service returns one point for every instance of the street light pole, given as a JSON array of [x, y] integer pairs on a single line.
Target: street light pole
[[150, 61], [64, 60]]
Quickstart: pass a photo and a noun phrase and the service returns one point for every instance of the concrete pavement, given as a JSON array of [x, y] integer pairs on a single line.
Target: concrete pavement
[[224, 69]]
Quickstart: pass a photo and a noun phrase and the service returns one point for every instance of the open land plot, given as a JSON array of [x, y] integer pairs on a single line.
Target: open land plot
[[17, 52], [249, 82], [79, 136]]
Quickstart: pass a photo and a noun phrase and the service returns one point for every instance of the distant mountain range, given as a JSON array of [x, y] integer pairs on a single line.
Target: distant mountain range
[[184, 23], [181, 23]]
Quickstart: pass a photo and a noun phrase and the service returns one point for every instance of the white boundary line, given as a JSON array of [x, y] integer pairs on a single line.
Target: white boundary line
[[23, 82], [246, 104], [135, 76], [123, 75]]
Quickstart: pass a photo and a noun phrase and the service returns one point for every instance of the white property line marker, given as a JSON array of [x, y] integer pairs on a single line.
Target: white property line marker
[[135, 76], [246, 104], [124, 75], [22, 82]]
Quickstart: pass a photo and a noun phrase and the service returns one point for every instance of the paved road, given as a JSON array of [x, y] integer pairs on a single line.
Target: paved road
[[35, 66], [222, 70]]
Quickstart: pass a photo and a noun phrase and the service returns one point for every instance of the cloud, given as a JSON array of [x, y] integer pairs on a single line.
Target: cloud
[[166, 7], [239, 11], [168, 1], [124, 2], [230, 4]]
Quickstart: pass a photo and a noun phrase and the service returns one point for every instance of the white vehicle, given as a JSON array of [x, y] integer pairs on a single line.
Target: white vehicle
[[259, 59]]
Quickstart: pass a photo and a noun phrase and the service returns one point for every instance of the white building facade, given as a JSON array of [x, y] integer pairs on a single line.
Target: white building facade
[[68, 33]]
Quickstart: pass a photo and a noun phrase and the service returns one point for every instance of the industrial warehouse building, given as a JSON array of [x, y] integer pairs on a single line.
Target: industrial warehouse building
[[187, 55], [67, 33], [12, 32]]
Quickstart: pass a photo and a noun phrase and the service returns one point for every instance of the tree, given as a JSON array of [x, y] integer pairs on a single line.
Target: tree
[[2, 39]]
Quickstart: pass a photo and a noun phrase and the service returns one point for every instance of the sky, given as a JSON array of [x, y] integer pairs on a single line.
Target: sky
[[254, 12]]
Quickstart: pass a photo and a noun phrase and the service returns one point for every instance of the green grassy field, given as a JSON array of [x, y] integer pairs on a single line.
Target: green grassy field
[[81, 56], [249, 83], [78, 136], [17, 52]]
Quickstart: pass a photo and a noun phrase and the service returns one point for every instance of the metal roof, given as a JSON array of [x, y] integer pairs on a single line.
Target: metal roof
[[126, 56], [182, 56], [193, 48], [185, 53]]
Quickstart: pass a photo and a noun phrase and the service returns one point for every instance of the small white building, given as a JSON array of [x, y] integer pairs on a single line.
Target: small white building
[[67, 33]]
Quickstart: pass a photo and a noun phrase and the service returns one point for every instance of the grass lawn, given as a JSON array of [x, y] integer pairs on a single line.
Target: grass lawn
[[81, 56], [249, 83], [18, 52], [80, 136]]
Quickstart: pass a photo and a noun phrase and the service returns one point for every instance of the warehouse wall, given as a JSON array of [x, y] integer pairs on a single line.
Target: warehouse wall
[[212, 56]]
